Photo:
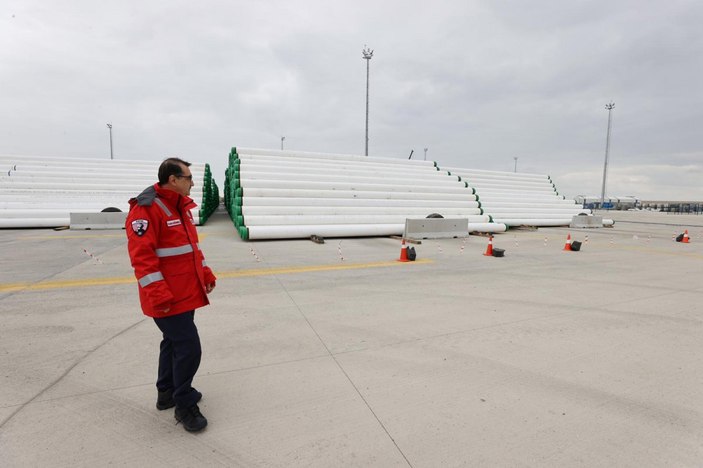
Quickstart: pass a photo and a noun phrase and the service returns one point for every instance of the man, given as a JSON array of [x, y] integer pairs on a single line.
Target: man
[[173, 280]]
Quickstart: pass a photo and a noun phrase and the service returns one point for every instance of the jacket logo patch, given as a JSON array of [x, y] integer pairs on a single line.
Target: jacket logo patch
[[173, 222], [139, 226]]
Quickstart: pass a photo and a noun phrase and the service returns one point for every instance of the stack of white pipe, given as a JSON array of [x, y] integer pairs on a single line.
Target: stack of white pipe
[[519, 198], [289, 194], [42, 191]]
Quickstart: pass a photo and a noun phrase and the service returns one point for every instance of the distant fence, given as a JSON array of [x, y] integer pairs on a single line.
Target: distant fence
[[674, 207], [619, 206], [663, 206]]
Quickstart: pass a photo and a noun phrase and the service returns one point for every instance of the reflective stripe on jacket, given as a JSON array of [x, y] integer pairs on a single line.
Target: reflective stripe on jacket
[[163, 246]]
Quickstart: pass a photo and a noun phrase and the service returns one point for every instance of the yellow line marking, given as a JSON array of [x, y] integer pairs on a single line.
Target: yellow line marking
[[81, 283], [11, 287], [309, 269], [89, 236], [73, 236]]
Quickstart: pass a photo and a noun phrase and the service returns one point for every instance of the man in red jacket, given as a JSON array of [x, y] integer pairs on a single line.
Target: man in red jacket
[[173, 280]]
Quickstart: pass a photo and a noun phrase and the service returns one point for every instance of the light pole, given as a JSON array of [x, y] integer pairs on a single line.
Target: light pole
[[515, 158], [610, 107], [367, 54], [425, 154], [109, 126], [282, 140]]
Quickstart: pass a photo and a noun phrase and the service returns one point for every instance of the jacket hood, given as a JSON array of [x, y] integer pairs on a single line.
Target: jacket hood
[[146, 198], [149, 194]]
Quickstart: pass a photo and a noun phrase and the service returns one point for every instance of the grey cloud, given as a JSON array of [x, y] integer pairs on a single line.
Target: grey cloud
[[478, 82]]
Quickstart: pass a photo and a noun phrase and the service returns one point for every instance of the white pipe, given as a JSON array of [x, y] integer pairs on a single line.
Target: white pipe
[[79, 185], [533, 215], [275, 201], [515, 175], [348, 178], [487, 227], [80, 162], [38, 193], [22, 180], [535, 209], [360, 169], [264, 192], [57, 176], [521, 197], [15, 223], [515, 192], [72, 205], [503, 180], [247, 161], [64, 197], [533, 221], [263, 153], [57, 221], [450, 188], [248, 210], [284, 220], [328, 230], [49, 212], [509, 187], [20, 169], [38, 213], [367, 161], [347, 230], [34, 196], [556, 203]]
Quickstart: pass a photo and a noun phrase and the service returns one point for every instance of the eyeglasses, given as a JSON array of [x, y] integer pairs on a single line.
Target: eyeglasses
[[181, 176]]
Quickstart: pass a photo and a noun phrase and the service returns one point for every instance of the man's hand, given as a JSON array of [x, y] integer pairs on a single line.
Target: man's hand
[[209, 287]]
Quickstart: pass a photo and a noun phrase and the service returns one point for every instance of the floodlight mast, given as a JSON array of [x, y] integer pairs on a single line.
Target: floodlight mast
[[109, 126], [610, 106], [367, 55]]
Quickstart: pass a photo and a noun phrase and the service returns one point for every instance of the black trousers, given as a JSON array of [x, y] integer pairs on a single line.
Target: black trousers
[[179, 358]]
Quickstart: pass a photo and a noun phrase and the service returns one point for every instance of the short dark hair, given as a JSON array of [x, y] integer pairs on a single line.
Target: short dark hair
[[169, 167]]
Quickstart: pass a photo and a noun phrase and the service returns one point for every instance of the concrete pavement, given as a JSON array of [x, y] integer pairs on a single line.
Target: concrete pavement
[[337, 355]]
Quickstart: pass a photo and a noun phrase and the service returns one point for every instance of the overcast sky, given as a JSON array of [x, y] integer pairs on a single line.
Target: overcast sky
[[477, 82]]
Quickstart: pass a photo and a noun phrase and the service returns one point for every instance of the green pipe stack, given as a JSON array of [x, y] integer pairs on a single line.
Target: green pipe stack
[[233, 194], [211, 196]]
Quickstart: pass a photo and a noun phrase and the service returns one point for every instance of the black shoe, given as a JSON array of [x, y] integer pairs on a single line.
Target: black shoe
[[165, 399], [192, 419]]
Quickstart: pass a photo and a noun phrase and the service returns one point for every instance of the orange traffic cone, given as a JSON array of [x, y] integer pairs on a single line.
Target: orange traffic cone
[[567, 246], [489, 249], [685, 237], [403, 252]]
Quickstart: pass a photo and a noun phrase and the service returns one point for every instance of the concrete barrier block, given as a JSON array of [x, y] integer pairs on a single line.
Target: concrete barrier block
[[107, 220], [579, 221], [436, 228]]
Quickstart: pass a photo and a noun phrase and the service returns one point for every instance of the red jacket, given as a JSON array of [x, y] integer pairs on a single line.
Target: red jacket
[[163, 247]]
